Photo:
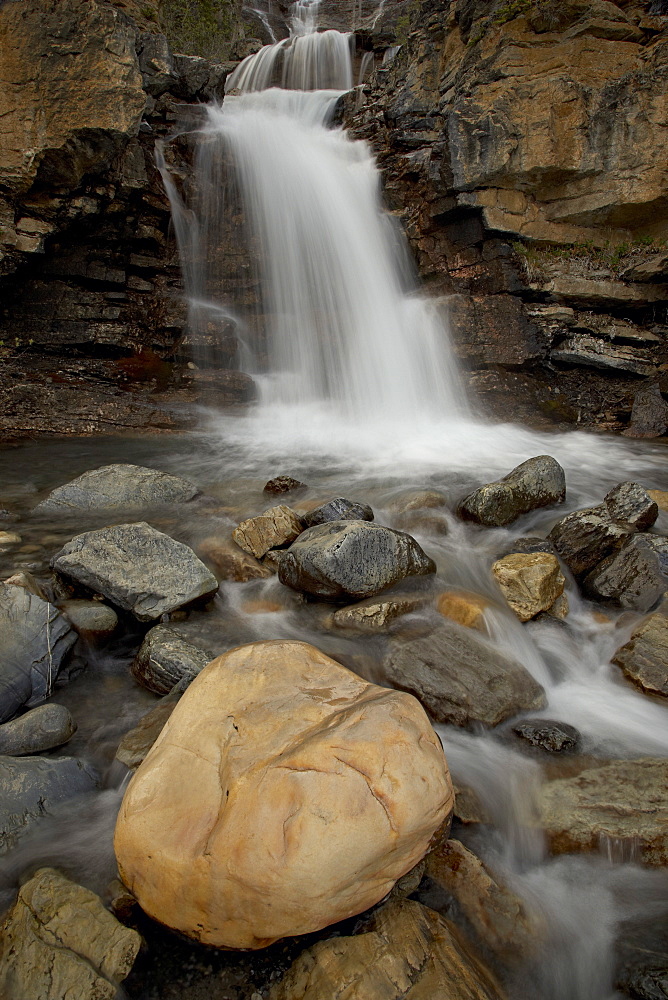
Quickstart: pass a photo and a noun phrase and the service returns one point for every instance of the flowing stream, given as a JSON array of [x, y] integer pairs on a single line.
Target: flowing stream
[[360, 397]]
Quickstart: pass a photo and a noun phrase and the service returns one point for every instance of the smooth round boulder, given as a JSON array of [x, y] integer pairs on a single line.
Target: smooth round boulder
[[284, 794], [357, 559], [42, 728]]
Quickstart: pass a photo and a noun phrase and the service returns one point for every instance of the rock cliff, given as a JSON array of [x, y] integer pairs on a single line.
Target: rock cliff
[[523, 149]]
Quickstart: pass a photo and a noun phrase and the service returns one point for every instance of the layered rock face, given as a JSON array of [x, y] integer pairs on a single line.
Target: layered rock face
[[247, 822], [522, 149]]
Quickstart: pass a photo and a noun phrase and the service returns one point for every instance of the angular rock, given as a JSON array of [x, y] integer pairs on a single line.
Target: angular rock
[[376, 614], [635, 577], [165, 658], [229, 562], [92, 619], [28, 582], [137, 568], [547, 734], [283, 484], [284, 772], [463, 608], [408, 952], [276, 527], [119, 485], [136, 743], [538, 482], [35, 640], [30, 786], [460, 679], [530, 583], [497, 915], [337, 510], [58, 941], [660, 497], [626, 800], [42, 728], [359, 559], [649, 415], [629, 503], [644, 658]]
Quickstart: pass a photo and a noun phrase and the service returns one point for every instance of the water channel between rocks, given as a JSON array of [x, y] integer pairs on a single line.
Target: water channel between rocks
[[359, 399]]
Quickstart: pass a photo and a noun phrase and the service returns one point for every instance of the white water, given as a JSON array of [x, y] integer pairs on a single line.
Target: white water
[[361, 380]]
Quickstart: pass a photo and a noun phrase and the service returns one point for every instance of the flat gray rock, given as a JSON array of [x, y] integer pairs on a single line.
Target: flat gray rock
[[538, 482], [358, 559], [31, 786], [42, 728], [35, 640], [137, 568], [119, 486], [165, 658], [460, 679]]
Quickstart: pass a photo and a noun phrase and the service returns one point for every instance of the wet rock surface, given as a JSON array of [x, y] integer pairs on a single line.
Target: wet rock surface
[[137, 568], [119, 486], [460, 679], [283, 484], [644, 658], [539, 482], [165, 658], [636, 577], [41, 728], [530, 583], [135, 745], [58, 940], [35, 642], [93, 620], [377, 614], [406, 951], [463, 608], [622, 802], [337, 510], [555, 737], [252, 789], [229, 562], [276, 527], [351, 559], [31, 786]]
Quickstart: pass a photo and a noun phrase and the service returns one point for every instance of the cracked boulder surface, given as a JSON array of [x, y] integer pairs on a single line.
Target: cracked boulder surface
[[58, 940], [407, 952], [283, 774]]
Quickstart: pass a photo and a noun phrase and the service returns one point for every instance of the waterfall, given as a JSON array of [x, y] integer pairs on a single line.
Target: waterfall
[[343, 324]]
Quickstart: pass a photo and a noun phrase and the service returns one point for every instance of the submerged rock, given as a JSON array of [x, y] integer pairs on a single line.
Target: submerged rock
[[137, 568], [337, 510], [530, 583], [40, 729], [625, 802], [119, 486], [636, 577], [547, 734], [351, 559], [58, 941], [276, 527], [539, 482], [377, 613], [31, 786], [461, 679], [463, 608], [282, 771], [528, 544], [284, 484], [644, 658], [229, 562], [406, 952], [165, 658], [35, 640], [413, 500]]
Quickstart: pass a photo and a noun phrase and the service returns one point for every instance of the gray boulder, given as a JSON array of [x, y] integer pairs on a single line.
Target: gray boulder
[[119, 486], [42, 728], [585, 537], [539, 482], [35, 640], [358, 559], [137, 568], [93, 620], [527, 545], [32, 786], [635, 577], [165, 658], [337, 510], [460, 679], [644, 658]]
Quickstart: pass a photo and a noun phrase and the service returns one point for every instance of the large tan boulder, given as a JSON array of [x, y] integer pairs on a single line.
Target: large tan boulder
[[283, 794]]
